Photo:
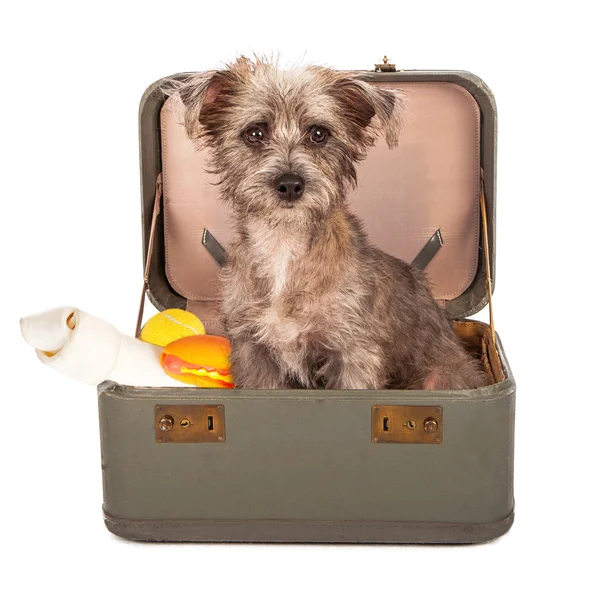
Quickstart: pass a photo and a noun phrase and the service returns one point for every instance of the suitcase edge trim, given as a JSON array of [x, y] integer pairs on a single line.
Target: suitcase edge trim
[[304, 531]]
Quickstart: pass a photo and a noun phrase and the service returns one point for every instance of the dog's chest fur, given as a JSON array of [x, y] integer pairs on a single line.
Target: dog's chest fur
[[283, 301], [273, 256], [280, 321]]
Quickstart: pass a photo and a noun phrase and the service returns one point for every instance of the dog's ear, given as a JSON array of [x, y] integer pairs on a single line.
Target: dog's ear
[[371, 107], [205, 97]]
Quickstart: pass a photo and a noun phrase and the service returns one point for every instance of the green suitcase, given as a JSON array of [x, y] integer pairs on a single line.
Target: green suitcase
[[385, 466]]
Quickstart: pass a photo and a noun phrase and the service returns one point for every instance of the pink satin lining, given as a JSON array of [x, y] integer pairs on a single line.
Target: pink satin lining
[[431, 180]]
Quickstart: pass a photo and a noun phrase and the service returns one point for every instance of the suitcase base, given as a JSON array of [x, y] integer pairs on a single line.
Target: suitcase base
[[302, 532]]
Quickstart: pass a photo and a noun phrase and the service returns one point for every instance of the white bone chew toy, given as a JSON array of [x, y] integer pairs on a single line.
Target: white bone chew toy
[[92, 351]]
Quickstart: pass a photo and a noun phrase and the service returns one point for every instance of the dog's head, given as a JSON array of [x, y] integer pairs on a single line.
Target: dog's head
[[285, 143]]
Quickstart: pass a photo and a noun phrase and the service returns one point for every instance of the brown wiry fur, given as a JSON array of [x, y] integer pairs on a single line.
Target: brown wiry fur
[[308, 301]]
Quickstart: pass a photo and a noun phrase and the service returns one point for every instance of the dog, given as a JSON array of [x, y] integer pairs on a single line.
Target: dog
[[308, 301]]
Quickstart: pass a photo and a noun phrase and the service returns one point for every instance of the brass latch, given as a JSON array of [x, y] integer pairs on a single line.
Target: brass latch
[[406, 424], [385, 66], [192, 423]]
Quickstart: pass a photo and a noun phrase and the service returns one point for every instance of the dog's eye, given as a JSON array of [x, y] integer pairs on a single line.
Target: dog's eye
[[318, 134], [255, 134]]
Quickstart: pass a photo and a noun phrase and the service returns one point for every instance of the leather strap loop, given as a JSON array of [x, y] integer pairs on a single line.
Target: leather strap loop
[[431, 248], [209, 241]]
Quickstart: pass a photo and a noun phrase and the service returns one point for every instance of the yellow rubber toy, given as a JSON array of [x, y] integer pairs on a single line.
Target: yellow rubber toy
[[170, 325]]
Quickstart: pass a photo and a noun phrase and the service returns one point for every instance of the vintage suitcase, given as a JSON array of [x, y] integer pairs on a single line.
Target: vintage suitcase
[[191, 464]]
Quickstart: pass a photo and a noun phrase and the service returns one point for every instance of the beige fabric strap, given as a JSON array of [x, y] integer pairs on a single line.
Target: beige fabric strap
[[486, 252], [155, 213]]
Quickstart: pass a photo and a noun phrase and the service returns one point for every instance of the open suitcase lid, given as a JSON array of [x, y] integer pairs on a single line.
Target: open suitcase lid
[[430, 183]]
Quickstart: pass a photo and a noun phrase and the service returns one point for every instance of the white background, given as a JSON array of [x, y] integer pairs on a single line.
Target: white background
[[71, 78]]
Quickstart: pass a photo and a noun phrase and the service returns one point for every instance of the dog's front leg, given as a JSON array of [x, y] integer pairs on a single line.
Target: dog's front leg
[[356, 368], [253, 367]]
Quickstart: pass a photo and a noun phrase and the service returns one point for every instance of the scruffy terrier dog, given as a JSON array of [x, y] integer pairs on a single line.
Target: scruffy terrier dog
[[308, 301]]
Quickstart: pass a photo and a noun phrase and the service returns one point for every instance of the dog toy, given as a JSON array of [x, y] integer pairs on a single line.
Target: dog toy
[[90, 350], [170, 325], [201, 360]]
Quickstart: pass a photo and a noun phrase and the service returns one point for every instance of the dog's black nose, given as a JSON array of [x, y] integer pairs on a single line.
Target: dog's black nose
[[289, 186]]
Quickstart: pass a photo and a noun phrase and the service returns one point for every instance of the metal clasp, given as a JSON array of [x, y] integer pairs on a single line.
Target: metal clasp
[[385, 66], [402, 424]]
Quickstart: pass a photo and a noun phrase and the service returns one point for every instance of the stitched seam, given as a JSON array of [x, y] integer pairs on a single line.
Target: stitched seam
[[216, 323]]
